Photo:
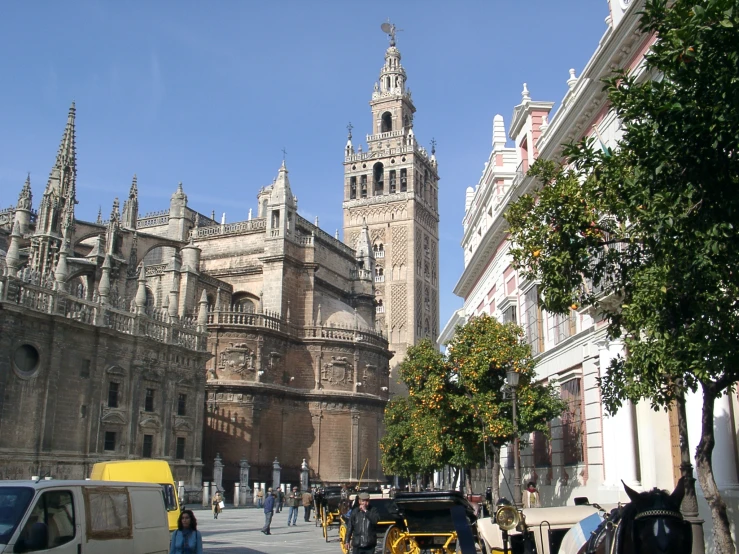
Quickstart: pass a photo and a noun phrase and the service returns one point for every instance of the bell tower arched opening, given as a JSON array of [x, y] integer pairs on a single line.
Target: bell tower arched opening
[[378, 177], [387, 122]]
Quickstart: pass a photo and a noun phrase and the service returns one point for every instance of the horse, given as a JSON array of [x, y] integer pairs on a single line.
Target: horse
[[650, 524]]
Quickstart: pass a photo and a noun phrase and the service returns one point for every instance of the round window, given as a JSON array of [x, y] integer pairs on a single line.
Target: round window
[[26, 360]]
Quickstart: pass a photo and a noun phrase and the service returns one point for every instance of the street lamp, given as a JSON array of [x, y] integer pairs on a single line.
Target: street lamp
[[512, 377]]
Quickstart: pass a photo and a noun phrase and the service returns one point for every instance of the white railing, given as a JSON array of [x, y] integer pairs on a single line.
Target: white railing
[[379, 278]]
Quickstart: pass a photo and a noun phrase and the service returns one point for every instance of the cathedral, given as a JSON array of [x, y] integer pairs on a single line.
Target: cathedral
[[174, 336]]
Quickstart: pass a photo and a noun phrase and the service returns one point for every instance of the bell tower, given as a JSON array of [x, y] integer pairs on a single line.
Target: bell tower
[[393, 186]]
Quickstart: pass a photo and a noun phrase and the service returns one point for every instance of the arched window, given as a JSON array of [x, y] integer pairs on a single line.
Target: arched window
[[378, 174], [352, 188], [244, 303], [387, 122]]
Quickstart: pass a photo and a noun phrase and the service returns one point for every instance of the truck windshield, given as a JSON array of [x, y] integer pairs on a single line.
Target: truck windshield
[[170, 502], [13, 505]]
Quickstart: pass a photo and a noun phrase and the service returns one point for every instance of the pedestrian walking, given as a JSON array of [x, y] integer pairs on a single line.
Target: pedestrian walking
[[260, 497], [269, 510], [307, 504], [361, 529], [217, 504], [186, 539], [280, 500], [293, 502]]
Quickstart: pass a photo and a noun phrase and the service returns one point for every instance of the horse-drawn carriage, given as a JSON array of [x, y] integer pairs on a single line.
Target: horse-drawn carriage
[[434, 522], [650, 524], [381, 503], [330, 503]]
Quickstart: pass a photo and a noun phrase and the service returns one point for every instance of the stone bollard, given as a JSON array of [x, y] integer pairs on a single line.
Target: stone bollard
[[276, 469], [304, 476], [218, 473], [237, 494], [244, 468], [206, 494], [181, 492]]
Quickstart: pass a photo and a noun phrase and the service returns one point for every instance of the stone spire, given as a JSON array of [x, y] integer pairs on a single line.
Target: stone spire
[[363, 248], [25, 198], [104, 285], [131, 207], [24, 207], [99, 220], [67, 154], [203, 313], [281, 193], [12, 257], [392, 75], [349, 150], [140, 299], [57, 203], [62, 270]]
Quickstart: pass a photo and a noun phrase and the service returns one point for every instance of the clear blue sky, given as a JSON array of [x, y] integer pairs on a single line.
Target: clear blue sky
[[208, 93]]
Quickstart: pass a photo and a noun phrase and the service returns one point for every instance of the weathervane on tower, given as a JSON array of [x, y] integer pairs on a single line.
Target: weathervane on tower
[[390, 30]]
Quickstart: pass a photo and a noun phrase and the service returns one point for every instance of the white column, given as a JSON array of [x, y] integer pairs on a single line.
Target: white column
[[619, 440], [237, 494], [724, 452]]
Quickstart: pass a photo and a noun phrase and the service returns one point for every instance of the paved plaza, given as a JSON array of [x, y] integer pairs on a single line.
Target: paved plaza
[[237, 531]]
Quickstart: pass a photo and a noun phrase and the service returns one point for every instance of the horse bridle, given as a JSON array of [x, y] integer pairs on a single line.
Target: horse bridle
[[658, 513]]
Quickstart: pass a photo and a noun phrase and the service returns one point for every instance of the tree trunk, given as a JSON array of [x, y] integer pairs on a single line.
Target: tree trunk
[[689, 506], [467, 481], [456, 477], [704, 466], [496, 474]]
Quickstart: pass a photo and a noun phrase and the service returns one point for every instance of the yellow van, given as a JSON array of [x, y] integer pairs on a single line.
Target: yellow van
[[143, 471]]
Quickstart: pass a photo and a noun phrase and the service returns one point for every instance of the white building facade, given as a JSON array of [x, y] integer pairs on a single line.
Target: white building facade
[[589, 453]]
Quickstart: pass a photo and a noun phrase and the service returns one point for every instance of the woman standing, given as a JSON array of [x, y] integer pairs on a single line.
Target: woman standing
[[187, 538], [217, 501]]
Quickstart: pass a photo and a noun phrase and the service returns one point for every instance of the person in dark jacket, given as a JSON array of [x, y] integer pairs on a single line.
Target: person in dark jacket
[[361, 528], [269, 510]]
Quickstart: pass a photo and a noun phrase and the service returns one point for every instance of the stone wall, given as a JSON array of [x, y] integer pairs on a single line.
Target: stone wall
[[58, 358]]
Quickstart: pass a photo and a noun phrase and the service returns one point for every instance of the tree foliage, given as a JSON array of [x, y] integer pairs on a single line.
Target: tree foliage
[[647, 234], [456, 402]]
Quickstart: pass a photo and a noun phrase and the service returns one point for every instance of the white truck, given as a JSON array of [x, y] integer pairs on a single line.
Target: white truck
[[82, 517]]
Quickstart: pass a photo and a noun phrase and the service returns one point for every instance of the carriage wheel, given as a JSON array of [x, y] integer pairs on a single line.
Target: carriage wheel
[[342, 538], [397, 542]]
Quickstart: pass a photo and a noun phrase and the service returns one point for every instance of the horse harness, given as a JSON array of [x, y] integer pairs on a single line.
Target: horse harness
[[611, 530]]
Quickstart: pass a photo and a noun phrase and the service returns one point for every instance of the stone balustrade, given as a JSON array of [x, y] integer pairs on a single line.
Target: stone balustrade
[[237, 228], [233, 317], [309, 227], [38, 295]]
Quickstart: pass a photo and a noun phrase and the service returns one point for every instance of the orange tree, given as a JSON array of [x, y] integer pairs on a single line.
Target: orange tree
[[478, 357], [414, 425], [456, 405]]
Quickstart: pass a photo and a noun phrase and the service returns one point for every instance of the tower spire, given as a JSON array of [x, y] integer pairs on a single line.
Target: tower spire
[[131, 206]]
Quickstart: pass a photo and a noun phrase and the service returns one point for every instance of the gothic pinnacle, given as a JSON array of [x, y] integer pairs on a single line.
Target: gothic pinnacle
[[67, 154], [25, 198], [134, 192]]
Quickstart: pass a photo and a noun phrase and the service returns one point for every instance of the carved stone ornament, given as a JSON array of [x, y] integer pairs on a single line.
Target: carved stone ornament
[[337, 372], [238, 358], [369, 377]]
